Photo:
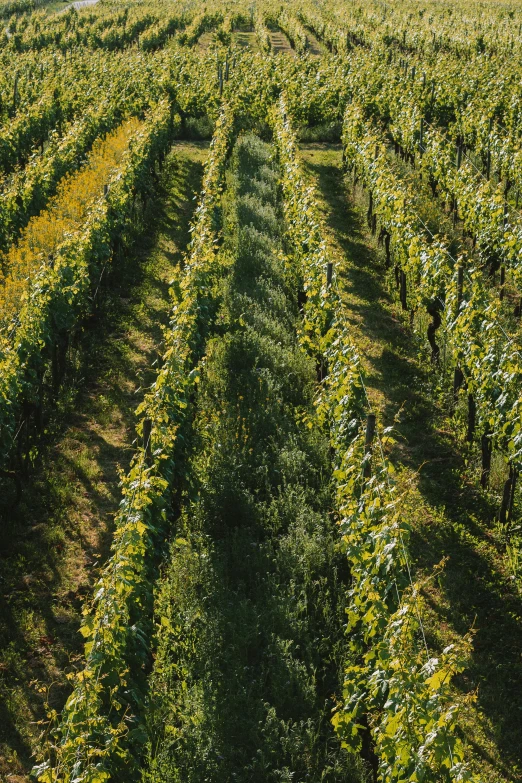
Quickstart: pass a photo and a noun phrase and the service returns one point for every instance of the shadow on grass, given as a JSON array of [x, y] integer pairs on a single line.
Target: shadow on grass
[[280, 43], [476, 590]]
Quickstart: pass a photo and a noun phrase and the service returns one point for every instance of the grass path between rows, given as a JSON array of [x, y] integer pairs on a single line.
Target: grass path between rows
[[280, 43], [451, 519], [56, 540], [249, 613]]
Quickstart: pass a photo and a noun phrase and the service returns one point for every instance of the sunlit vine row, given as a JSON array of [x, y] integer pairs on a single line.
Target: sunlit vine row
[[59, 292], [490, 362], [26, 192], [100, 725], [390, 679]]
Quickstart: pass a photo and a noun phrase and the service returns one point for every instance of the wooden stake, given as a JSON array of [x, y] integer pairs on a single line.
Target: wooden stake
[[488, 158], [487, 448], [434, 310], [459, 154], [368, 441], [370, 209], [507, 497], [458, 380], [472, 417], [512, 498], [329, 274], [15, 93], [147, 445], [460, 286], [387, 238], [404, 301]]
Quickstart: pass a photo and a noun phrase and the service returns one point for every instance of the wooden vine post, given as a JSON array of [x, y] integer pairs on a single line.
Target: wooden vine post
[[512, 493], [487, 448], [403, 290], [15, 93], [460, 286], [458, 376], [488, 157], [508, 497], [368, 443], [472, 417], [458, 165], [502, 281], [433, 307], [384, 239], [329, 274], [503, 267], [147, 440]]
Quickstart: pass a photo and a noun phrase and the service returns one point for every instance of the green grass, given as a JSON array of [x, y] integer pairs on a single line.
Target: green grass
[[251, 608], [280, 43], [55, 6], [246, 39], [315, 47], [59, 535], [452, 520]]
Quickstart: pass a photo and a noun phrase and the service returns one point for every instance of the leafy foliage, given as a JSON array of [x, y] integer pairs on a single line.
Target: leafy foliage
[[101, 719], [58, 295], [478, 340], [389, 679]]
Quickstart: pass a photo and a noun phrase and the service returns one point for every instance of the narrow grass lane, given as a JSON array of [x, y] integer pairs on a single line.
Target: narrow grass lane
[[250, 612]]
